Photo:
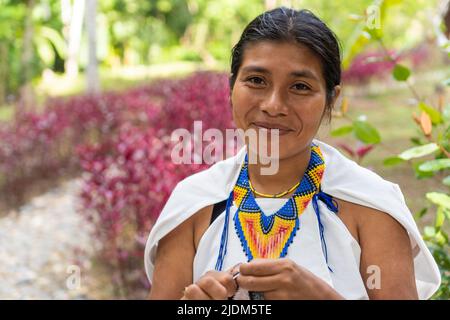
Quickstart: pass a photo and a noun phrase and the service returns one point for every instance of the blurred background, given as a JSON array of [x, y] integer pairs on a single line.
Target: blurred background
[[90, 91]]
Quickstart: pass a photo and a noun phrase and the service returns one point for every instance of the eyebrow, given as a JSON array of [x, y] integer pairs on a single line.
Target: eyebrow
[[304, 73]]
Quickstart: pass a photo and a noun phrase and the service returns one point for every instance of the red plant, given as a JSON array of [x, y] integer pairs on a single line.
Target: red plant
[[357, 153], [130, 174], [121, 143], [375, 65]]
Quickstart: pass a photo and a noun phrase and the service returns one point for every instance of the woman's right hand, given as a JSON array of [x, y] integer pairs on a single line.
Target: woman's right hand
[[213, 285]]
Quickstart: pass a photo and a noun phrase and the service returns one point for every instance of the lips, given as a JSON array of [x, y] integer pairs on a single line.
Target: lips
[[270, 126]]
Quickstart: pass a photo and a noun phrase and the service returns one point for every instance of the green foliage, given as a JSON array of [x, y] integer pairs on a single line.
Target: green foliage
[[366, 132], [401, 73], [434, 114], [341, 131], [392, 161], [418, 152], [434, 125], [435, 165]]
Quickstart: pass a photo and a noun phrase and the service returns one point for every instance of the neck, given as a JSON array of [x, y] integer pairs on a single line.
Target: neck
[[290, 171]]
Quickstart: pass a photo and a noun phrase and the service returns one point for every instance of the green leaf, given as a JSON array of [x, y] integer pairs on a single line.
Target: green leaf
[[375, 33], [441, 238], [421, 174], [392, 161], [447, 213], [421, 213], [435, 165], [45, 51], [417, 152], [416, 141], [440, 218], [434, 114], [365, 132], [429, 231], [341, 131], [446, 181], [446, 82], [447, 134], [446, 114], [439, 198], [401, 73], [55, 38], [355, 44]]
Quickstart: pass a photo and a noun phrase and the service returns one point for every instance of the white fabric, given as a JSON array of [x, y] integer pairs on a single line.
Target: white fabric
[[343, 179]]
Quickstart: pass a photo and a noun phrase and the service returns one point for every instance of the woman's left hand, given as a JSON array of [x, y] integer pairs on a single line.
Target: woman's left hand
[[283, 279]]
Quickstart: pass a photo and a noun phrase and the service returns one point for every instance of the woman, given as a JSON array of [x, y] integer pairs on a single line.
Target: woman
[[321, 227]]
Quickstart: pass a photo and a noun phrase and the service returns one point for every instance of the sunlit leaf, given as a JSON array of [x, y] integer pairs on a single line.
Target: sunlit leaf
[[419, 174], [55, 38], [446, 181], [439, 198], [435, 165], [429, 231], [440, 218], [441, 237], [417, 152]]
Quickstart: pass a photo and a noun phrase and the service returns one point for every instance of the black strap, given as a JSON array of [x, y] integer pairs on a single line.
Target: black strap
[[217, 210]]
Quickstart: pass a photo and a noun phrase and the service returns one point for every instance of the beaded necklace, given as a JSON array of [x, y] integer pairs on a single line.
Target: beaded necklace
[[263, 236]]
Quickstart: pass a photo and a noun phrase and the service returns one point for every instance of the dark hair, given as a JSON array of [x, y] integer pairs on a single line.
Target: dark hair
[[298, 26]]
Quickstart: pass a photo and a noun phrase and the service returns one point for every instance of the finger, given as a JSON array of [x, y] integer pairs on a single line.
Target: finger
[[233, 270], [262, 284], [194, 292], [227, 280], [262, 267], [213, 288]]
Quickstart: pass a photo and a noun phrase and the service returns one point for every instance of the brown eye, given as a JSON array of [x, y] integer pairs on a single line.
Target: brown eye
[[301, 86], [256, 80]]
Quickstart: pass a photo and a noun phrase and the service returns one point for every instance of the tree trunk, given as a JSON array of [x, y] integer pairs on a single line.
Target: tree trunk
[[3, 71], [447, 21], [93, 85], [26, 91], [75, 31]]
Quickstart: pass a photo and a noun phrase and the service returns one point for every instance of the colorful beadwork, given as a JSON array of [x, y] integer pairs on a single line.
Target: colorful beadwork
[[264, 236]]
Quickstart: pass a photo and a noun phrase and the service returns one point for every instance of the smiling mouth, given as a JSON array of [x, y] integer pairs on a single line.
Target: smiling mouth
[[282, 130]]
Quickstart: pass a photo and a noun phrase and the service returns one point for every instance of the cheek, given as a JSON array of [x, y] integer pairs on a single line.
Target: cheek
[[310, 112], [241, 105]]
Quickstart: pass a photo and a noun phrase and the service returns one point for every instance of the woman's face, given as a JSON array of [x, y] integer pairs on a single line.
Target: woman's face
[[280, 86]]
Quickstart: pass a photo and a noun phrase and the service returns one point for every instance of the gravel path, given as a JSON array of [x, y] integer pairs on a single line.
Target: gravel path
[[46, 249]]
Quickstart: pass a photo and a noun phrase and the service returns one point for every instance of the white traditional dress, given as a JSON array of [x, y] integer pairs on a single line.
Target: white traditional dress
[[338, 265]]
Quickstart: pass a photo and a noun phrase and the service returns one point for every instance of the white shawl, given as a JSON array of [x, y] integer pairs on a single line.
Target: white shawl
[[343, 179]]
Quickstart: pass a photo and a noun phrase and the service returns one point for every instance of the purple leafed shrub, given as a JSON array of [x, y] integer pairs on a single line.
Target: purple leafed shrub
[[130, 174], [372, 65], [121, 142], [41, 145], [368, 66]]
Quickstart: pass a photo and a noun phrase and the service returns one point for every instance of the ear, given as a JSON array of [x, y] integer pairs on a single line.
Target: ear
[[336, 93]]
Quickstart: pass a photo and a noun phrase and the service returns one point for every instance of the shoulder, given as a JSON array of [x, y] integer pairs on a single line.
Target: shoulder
[[364, 222]]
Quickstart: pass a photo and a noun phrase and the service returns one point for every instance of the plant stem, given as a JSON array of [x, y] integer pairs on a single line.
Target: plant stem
[[408, 83]]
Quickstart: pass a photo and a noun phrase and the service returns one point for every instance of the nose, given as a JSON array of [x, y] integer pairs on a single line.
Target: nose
[[274, 104]]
